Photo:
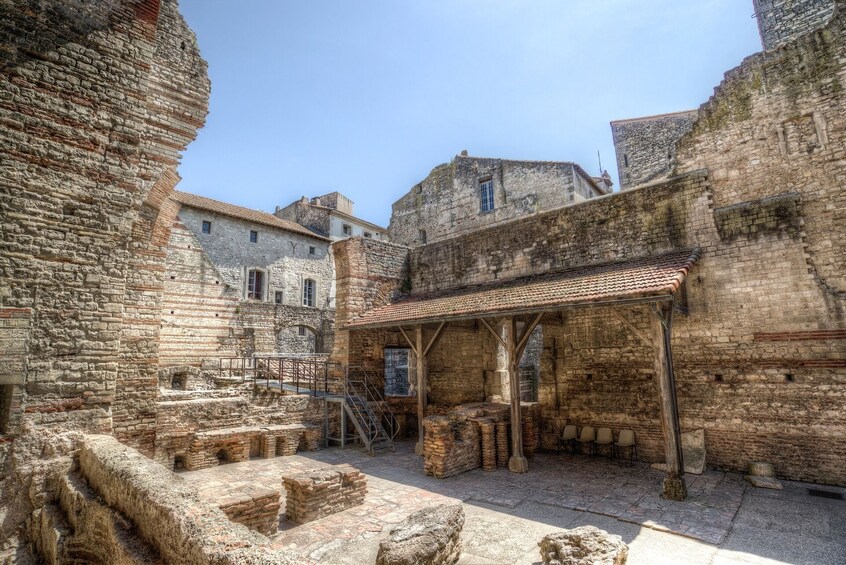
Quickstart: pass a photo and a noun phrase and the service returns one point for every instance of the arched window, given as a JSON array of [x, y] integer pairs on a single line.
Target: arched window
[[309, 292], [255, 284]]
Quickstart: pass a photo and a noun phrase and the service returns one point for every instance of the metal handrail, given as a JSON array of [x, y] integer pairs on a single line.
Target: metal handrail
[[373, 396], [303, 372]]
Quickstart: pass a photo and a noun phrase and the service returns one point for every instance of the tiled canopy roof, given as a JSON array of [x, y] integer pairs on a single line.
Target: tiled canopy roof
[[658, 276], [256, 216]]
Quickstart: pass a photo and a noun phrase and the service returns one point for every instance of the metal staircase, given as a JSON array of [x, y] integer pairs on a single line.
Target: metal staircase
[[364, 404]]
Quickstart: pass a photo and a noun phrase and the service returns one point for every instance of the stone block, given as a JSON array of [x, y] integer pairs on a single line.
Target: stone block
[[431, 536], [764, 482], [586, 545], [323, 491]]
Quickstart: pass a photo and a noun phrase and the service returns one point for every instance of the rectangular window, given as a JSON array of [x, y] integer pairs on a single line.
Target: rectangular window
[[368, 234], [255, 284], [308, 292], [396, 371], [206, 226], [486, 196], [301, 331], [347, 229], [253, 236], [312, 250], [277, 297]]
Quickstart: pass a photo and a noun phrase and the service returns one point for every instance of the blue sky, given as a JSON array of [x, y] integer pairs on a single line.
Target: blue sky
[[366, 97]]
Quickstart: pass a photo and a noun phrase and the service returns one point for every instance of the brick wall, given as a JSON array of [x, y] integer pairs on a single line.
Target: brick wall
[[446, 203], [179, 418], [781, 21], [645, 147], [92, 121]]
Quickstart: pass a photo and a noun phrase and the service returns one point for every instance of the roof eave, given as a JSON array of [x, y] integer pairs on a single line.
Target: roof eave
[[662, 297]]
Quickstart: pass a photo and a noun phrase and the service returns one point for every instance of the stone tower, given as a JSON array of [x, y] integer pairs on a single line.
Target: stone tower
[[781, 21]]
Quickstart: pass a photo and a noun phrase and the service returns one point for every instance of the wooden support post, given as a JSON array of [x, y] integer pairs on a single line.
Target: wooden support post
[[518, 462], [661, 320], [420, 354]]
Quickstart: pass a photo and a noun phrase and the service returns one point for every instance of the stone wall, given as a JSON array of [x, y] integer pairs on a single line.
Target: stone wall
[[757, 357], [167, 513], [781, 21], [101, 100], [645, 147], [179, 418], [324, 491], [446, 203], [315, 218], [284, 256], [14, 348], [647, 222], [783, 111], [205, 318]]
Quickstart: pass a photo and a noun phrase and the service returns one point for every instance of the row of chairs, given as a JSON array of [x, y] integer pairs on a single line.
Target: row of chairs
[[598, 439]]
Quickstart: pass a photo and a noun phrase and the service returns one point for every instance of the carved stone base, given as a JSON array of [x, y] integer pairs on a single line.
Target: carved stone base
[[418, 449], [518, 464]]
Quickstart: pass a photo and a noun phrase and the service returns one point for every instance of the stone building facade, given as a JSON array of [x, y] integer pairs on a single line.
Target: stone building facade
[[645, 147], [330, 215], [782, 21], [241, 282], [474, 192]]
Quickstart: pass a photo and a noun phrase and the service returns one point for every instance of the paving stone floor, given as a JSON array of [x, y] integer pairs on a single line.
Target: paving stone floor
[[724, 521]]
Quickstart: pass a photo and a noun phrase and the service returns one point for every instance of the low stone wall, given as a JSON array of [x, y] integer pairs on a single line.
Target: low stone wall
[[232, 445], [183, 416], [258, 511], [324, 491], [166, 511]]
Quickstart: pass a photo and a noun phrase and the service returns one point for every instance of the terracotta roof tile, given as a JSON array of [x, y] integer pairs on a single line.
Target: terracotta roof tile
[[257, 216], [637, 278]]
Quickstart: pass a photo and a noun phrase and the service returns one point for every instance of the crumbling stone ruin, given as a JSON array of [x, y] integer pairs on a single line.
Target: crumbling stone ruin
[[323, 491], [709, 295]]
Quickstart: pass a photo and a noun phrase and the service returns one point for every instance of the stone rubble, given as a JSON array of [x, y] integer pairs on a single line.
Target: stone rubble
[[586, 545], [431, 536]]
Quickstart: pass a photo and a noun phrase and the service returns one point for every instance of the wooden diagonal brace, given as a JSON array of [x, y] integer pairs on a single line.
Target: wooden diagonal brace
[[435, 338], [495, 334], [409, 340]]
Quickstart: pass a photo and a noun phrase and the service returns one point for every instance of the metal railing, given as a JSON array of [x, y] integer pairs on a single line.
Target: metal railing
[[369, 407], [308, 374]]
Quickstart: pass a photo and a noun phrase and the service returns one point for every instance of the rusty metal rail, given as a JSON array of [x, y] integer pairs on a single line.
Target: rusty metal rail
[[300, 374]]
